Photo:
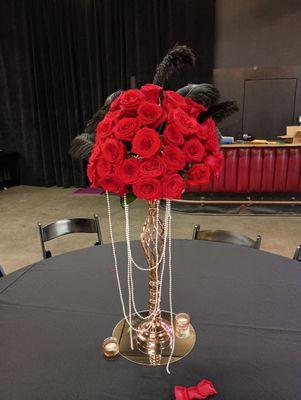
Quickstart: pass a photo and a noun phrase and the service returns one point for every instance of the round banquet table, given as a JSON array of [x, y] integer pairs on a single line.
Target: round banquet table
[[244, 305]]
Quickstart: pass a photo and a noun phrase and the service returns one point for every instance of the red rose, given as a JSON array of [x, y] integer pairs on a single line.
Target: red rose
[[113, 184], [174, 157], [104, 128], [113, 151], [126, 128], [205, 129], [114, 116], [202, 133], [212, 143], [153, 166], [194, 150], [131, 99], [148, 188], [193, 108], [173, 135], [151, 114], [198, 173], [214, 163], [173, 100], [184, 122], [115, 105], [151, 92], [129, 171], [104, 168], [172, 186], [146, 143], [92, 166]]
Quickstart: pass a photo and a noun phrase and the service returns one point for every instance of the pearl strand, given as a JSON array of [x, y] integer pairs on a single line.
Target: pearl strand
[[170, 289], [158, 295], [130, 286], [164, 239], [116, 265], [117, 270]]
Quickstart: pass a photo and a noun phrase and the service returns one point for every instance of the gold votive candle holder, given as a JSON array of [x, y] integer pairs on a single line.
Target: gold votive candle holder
[[182, 325], [110, 347]]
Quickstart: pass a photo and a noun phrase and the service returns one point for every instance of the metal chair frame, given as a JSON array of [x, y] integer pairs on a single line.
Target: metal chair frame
[[66, 227], [226, 237], [297, 254]]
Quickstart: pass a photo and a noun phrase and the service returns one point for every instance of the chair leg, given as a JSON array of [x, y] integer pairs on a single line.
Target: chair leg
[[44, 253], [195, 232], [297, 255], [2, 272], [97, 222], [258, 242]]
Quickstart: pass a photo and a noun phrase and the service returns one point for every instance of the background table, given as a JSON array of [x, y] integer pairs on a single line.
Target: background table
[[244, 305]]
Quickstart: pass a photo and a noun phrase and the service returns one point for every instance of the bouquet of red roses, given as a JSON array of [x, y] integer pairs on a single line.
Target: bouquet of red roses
[[151, 144]]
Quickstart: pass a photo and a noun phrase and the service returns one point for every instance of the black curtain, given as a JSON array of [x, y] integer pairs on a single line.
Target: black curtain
[[59, 60]]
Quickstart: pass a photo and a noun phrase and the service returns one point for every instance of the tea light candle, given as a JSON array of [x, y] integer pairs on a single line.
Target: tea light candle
[[110, 347], [182, 324]]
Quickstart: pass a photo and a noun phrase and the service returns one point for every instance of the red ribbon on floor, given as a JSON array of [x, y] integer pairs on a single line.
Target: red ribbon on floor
[[201, 391]]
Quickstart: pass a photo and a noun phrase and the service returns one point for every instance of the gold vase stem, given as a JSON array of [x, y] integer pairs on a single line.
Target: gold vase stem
[[154, 333]]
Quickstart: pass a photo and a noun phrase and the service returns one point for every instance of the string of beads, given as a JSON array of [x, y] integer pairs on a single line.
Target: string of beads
[[131, 262]]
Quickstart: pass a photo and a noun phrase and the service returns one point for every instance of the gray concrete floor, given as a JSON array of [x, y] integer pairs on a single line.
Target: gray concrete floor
[[22, 207]]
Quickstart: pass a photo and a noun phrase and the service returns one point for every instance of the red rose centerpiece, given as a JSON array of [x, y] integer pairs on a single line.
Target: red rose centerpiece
[[151, 144], [154, 144]]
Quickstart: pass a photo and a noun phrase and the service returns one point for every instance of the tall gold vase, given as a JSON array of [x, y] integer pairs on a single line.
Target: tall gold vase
[[154, 334], [152, 337]]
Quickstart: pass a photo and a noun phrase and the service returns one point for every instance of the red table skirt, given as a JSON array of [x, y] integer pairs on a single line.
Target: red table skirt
[[258, 170]]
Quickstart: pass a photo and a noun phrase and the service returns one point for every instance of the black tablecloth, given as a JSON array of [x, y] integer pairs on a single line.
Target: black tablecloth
[[244, 305]]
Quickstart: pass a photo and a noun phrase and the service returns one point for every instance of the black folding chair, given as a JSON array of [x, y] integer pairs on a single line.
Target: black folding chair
[[67, 226], [226, 237]]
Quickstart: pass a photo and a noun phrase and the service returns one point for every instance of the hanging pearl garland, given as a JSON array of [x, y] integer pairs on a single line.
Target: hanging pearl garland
[[131, 262]]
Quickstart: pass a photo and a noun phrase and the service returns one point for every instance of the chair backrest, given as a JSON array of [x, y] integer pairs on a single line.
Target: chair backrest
[[297, 254], [226, 237], [67, 226]]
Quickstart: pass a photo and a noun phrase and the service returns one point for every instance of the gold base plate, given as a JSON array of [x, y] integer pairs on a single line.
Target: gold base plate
[[183, 345]]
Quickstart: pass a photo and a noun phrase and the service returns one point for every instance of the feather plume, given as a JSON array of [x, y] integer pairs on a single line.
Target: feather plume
[[203, 93], [219, 111], [82, 145], [175, 59]]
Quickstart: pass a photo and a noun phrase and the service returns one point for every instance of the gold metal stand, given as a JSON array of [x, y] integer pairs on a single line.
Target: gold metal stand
[[183, 346], [154, 333], [153, 339]]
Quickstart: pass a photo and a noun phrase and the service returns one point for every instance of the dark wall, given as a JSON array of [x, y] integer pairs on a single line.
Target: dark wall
[[265, 33], [258, 60]]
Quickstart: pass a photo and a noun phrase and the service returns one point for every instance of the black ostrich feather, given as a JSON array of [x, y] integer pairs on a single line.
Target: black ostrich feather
[[100, 114], [174, 60], [219, 111], [203, 93], [82, 145]]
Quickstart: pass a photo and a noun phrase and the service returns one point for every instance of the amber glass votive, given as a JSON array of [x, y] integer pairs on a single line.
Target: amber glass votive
[[110, 347], [182, 325]]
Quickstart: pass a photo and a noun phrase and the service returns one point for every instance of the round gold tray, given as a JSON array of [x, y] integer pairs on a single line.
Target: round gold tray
[[183, 345]]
